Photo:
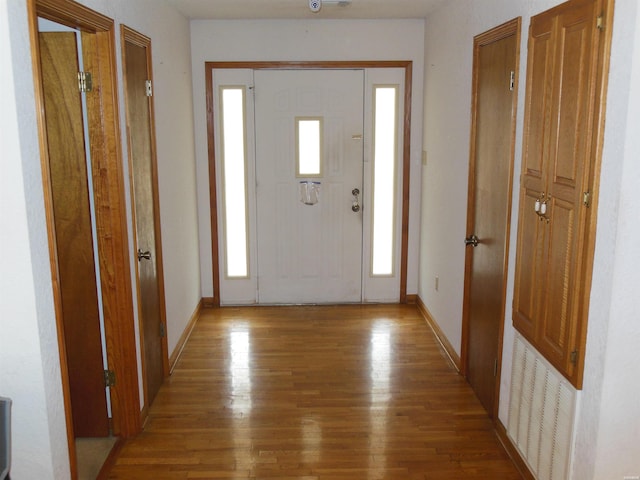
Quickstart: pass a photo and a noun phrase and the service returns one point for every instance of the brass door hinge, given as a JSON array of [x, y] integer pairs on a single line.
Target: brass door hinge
[[586, 199], [573, 357], [148, 88], [85, 83], [600, 22], [109, 378]]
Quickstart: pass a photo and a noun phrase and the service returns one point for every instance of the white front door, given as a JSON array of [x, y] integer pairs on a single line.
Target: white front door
[[338, 130], [309, 164]]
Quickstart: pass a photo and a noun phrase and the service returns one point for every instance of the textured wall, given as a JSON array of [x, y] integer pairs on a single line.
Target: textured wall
[[608, 432], [29, 360]]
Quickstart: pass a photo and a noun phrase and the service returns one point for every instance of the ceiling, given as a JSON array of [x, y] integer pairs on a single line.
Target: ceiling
[[299, 9]]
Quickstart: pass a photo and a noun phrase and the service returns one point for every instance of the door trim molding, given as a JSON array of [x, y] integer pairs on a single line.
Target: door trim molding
[[512, 27], [110, 211], [407, 65]]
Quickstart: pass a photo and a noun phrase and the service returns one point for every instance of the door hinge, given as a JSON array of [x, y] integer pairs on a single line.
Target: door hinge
[[148, 88], [573, 357], [512, 80], [495, 367], [600, 22], [109, 378], [586, 199], [163, 332], [84, 82]]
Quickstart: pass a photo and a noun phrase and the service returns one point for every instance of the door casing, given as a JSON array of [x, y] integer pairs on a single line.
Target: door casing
[[333, 65]]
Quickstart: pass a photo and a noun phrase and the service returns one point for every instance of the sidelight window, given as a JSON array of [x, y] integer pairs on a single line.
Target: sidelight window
[[385, 105], [234, 161]]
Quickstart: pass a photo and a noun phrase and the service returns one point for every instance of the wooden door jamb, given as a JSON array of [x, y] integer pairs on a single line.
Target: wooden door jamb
[[407, 65]]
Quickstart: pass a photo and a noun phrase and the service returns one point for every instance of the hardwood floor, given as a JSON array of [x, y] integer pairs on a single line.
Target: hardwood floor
[[331, 392]]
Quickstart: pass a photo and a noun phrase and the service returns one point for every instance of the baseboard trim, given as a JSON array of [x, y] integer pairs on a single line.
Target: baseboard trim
[[173, 359], [512, 451], [412, 299], [440, 336], [209, 302]]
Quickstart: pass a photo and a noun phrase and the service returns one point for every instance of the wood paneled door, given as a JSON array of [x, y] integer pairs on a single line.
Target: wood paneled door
[[73, 232], [566, 83], [489, 207], [144, 183]]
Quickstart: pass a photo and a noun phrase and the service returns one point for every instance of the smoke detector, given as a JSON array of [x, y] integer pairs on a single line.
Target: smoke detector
[[316, 5]]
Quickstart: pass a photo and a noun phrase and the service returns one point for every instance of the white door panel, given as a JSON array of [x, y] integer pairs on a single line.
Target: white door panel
[[236, 291], [382, 288], [308, 253]]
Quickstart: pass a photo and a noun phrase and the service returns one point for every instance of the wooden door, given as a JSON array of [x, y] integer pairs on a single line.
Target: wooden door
[[489, 209], [143, 171], [568, 172], [564, 100], [309, 253], [73, 233]]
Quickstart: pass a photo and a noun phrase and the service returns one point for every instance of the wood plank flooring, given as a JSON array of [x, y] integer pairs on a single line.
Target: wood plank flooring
[[314, 393]]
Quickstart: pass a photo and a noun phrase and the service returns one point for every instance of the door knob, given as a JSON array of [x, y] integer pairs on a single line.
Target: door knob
[[142, 255], [472, 240], [355, 206]]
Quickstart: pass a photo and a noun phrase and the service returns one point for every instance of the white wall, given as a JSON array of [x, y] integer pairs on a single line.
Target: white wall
[[283, 40], [29, 358], [613, 319], [609, 424]]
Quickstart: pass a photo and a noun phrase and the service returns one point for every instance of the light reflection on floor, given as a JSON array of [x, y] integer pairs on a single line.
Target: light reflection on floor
[[380, 395], [241, 400]]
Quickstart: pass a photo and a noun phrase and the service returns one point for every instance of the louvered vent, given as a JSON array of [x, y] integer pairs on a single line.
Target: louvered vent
[[541, 413]]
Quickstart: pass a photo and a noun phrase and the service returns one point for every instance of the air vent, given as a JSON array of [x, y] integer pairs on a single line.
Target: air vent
[[541, 413]]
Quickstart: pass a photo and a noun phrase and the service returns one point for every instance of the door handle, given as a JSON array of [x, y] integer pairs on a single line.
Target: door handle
[[355, 206], [540, 206], [142, 255], [472, 240]]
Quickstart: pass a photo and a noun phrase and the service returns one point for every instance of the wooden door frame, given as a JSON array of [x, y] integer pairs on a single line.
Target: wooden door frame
[[109, 193], [407, 65], [130, 35], [512, 27]]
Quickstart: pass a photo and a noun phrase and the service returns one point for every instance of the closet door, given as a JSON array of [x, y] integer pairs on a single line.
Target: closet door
[[563, 104], [569, 169], [73, 233], [529, 280]]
